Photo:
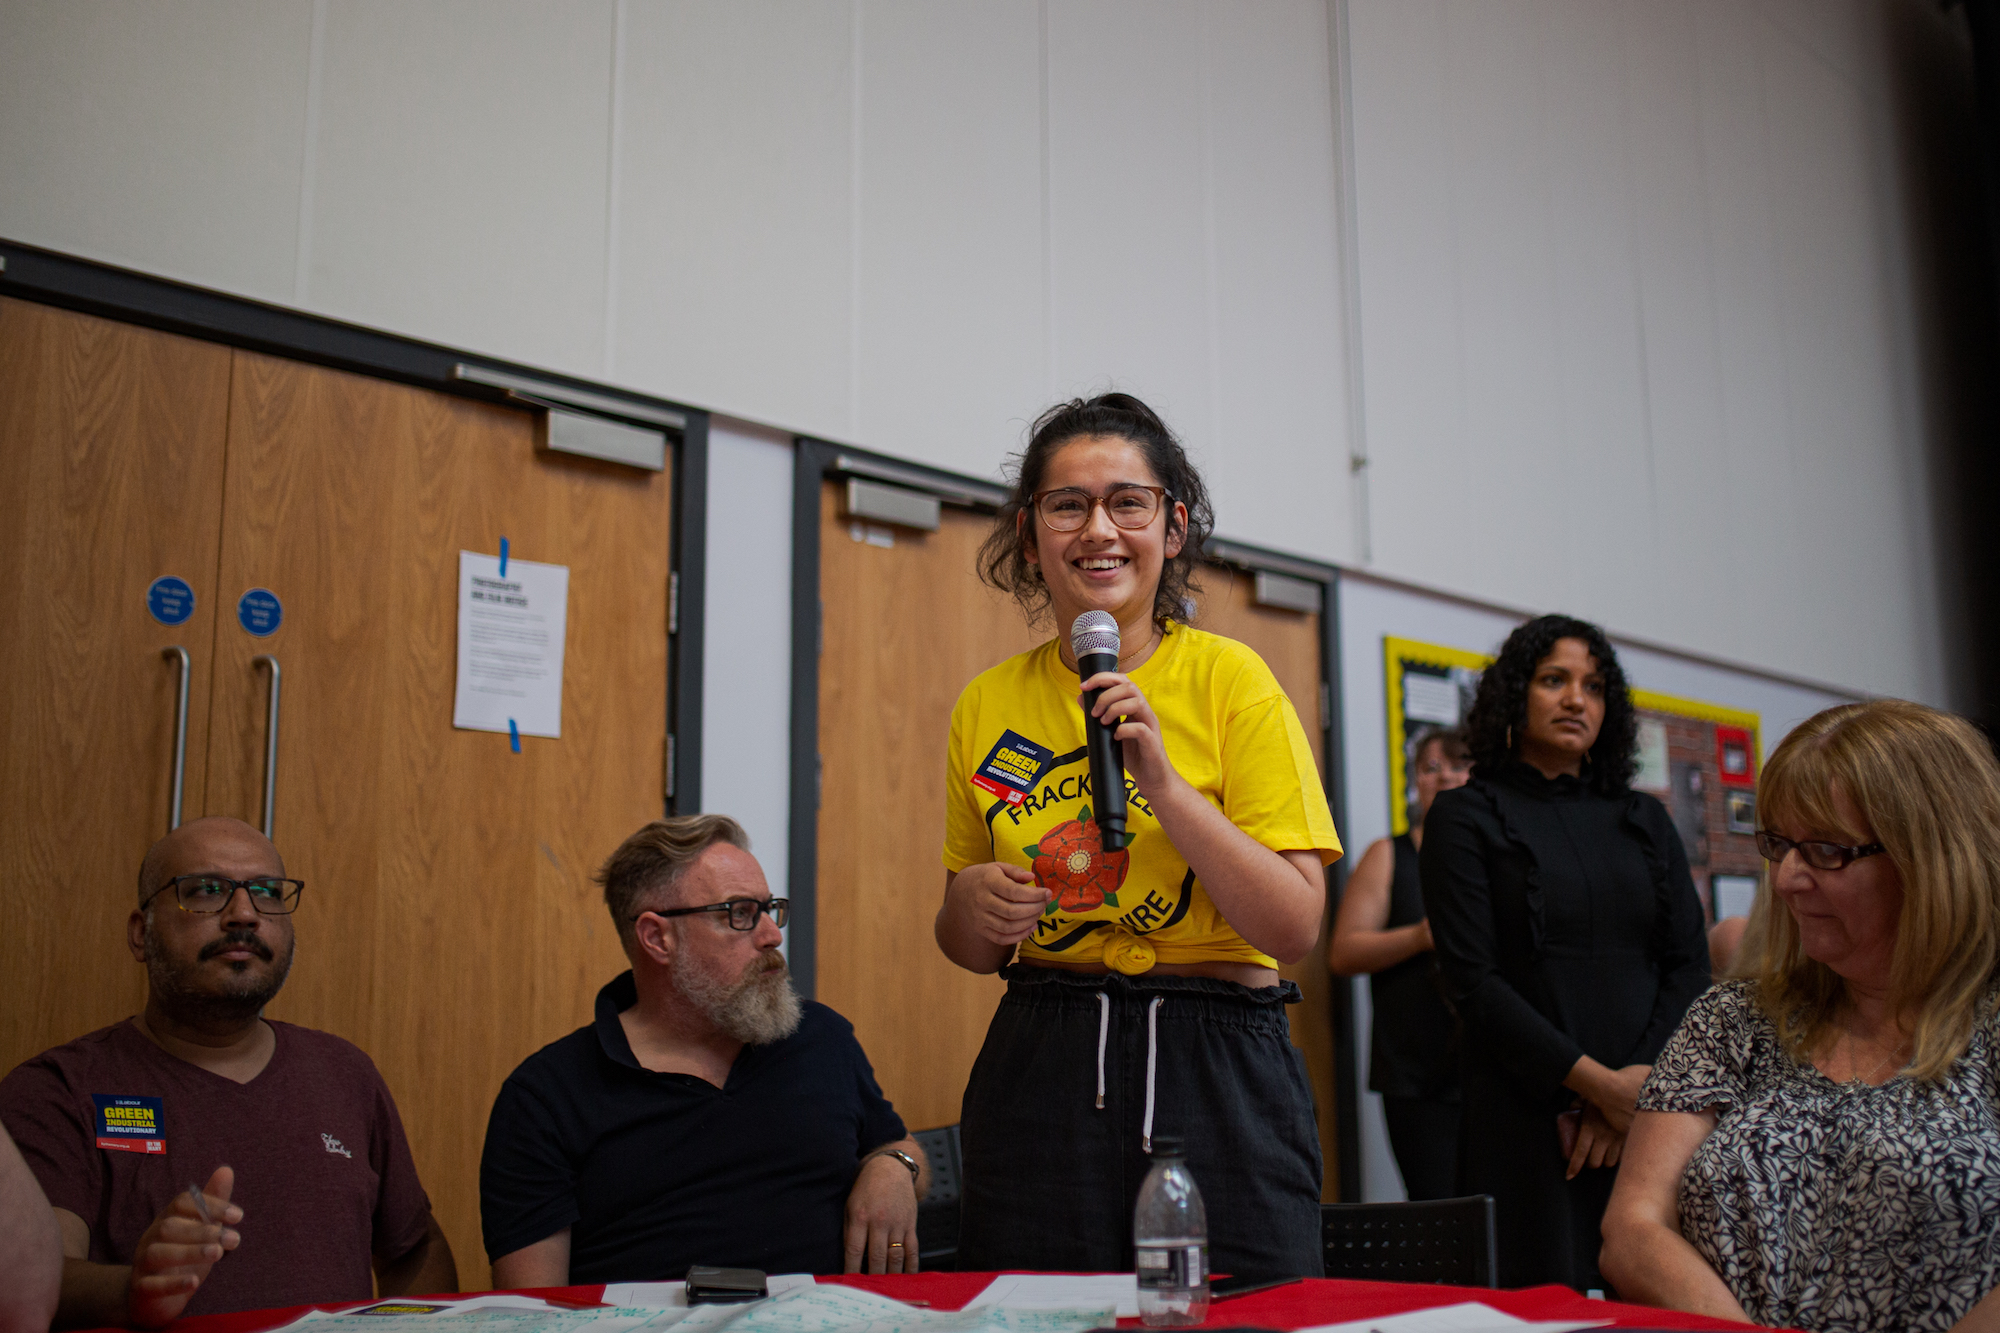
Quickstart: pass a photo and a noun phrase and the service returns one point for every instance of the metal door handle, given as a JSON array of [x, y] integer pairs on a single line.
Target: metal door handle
[[180, 735], [270, 745]]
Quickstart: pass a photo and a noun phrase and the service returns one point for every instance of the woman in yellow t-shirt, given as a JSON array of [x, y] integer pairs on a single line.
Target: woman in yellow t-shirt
[[1143, 995]]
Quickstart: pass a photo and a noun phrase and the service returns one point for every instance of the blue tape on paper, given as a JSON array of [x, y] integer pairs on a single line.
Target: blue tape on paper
[[513, 735], [503, 569]]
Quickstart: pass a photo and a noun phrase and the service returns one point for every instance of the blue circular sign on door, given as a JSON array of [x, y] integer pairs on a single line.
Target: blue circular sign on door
[[170, 600], [260, 612]]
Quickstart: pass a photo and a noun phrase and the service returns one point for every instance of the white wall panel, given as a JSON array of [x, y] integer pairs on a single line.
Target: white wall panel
[[1130, 254], [1411, 340], [1635, 308], [159, 137], [1860, 537], [951, 324], [1278, 459], [1682, 404], [460, 174], [747, 657], [735, 225]]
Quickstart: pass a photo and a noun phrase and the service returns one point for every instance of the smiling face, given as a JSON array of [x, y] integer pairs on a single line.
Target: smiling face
[[211, 967], [1847, 918], [1565, 709], [1101, 566]]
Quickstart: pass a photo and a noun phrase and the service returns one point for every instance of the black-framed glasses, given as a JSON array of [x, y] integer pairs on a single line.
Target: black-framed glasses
[[743, 912], [1818, 855], [1069, 508], [206, 895]]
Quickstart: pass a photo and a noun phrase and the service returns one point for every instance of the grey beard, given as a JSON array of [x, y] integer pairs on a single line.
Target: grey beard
[[758, 1008], [236, 1004]]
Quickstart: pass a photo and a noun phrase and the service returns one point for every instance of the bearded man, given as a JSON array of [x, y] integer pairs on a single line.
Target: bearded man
[[307, 1192], [708, 1115]]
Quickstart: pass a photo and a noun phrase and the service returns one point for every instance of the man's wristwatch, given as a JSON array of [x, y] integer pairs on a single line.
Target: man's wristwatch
[[900, 1156]]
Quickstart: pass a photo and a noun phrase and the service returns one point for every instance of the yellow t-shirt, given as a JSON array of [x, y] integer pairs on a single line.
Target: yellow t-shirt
[[1019, 792]]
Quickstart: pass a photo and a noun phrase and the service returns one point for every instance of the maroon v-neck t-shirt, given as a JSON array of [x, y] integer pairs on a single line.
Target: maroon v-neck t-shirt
[[113, 1127]]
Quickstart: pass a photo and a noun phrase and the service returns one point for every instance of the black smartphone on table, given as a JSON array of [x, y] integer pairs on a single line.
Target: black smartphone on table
[[724, 1286]]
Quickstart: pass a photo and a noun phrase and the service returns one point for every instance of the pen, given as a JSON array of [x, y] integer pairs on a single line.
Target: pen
[[201, 1205]]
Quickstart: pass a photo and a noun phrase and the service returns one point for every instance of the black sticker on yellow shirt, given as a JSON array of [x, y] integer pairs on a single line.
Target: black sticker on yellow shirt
[[129, 1124], [1012, 767]]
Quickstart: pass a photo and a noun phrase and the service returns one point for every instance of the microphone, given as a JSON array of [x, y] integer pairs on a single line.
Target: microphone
[[1094, 640]]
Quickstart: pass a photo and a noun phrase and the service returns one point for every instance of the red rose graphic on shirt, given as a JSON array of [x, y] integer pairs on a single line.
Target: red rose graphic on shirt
[[1071, 859]]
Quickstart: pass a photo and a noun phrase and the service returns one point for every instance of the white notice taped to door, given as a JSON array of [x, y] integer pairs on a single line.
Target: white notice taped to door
[[511, 628]]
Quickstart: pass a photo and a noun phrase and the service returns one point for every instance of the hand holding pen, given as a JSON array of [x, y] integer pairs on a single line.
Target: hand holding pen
[[173, 1257]]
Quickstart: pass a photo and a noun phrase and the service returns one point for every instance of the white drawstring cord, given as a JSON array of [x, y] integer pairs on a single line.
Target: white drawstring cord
[[1152, 1059], [1103, 1031]]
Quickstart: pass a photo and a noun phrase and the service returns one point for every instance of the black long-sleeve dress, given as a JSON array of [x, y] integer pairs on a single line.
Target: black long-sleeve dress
[[1566, 924]]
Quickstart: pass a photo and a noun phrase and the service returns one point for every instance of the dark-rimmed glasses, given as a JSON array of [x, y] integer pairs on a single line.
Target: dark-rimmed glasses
[[1818, 855], [206, 895], [1068, 509], [743, 912]]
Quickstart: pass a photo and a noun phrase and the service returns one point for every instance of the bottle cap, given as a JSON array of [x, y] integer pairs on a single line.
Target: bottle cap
[[1168, 1145]]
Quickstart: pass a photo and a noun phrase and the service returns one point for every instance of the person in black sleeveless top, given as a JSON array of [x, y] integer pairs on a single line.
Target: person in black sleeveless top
[[1570, 937], [1413, 1046]]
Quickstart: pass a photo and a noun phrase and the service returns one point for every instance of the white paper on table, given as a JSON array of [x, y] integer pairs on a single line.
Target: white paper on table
[[1465, 1317], [673, 1295], [448, 1305], [833, 1308], [487, 1314], [1044, 1291], [510, 645]]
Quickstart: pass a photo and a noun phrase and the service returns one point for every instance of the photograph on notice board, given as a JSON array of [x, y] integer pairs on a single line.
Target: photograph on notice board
[[1699, 759]]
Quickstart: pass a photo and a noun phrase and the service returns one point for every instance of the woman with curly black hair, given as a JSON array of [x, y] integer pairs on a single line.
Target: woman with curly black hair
[[1570, 937], [1143, 995]]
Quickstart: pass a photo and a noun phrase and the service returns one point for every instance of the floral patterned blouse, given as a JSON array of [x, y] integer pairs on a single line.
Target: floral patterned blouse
[[1835, 1206]]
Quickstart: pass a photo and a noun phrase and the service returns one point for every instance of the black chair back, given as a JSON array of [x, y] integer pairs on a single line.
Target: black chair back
[[1439, 1240], [937, 1215]]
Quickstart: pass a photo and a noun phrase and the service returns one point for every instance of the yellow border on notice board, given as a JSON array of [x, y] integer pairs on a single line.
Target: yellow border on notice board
[[1654, 702], [1397, 651]]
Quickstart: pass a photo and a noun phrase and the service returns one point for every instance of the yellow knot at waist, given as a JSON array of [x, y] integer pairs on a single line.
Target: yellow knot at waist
[[1128, 954]]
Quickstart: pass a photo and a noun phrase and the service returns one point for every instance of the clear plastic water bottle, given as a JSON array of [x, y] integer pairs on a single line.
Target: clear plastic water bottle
[[1170, 1235]]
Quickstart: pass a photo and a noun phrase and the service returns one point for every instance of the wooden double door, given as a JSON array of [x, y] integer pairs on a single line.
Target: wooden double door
[[449, 926], [888, 680]]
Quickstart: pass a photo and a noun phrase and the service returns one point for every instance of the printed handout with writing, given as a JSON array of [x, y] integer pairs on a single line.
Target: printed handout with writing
[[1465, 1317], [806, 1308], [484, 1314], [511, 630], [832, 1308]]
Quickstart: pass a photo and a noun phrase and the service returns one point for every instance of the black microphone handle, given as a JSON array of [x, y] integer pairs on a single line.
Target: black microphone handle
[[1107, 760]]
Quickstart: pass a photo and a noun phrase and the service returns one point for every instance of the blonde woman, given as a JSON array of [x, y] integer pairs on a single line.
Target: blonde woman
[[1817, 1146]]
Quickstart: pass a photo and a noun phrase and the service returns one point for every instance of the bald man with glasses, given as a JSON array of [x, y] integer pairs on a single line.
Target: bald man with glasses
[[201, 1158], [708, 1115]]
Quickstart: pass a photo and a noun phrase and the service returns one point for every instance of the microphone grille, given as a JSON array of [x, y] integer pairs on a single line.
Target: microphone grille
[[1094, 632]]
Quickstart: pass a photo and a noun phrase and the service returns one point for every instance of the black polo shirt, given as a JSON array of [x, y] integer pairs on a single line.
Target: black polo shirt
[[655, 1172]]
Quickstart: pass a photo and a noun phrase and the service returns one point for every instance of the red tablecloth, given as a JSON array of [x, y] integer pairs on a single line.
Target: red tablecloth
[[1315, 1301]]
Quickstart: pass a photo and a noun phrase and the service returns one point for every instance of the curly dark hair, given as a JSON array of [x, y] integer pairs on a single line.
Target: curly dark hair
[[1502, 703], [1003, 562]]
